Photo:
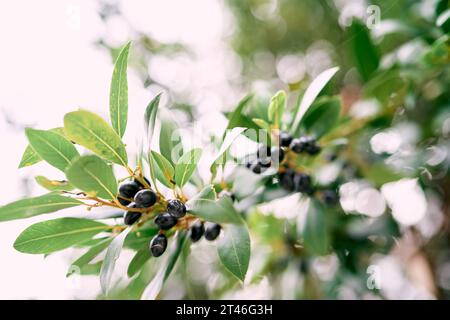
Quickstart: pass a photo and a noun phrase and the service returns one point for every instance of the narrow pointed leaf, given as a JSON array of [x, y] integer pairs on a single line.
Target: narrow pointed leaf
[[92, 132], [54, 235], [150, 118], [31, 207], [311, 94], [112, 254], [87, 257], [234, 250], [169, 143], [52, 147], [53, 185], [138, 261], [365, 53], [163, 169], [118, 95], [93, 176], [315, 233], [186, 166], [276, 107]]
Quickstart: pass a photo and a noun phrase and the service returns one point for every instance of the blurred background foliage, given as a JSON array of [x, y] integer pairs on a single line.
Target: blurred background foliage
[[391, 171]]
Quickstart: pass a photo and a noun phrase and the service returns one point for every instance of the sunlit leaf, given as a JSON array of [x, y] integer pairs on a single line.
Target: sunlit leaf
[[109, 263], [186, 166], [234, 249], [92, 132], [54, 235], [93, 176], [52, 147], [311, 94], [53, 185], [118, 95], [30, 207]]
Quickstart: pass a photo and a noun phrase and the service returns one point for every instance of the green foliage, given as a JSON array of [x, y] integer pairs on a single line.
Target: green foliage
[[92, 132], [118, 96], [234, 250], [93, 176], [54, 235], [163, 169], [52, 147], [186, 166], [31, 207], [364, 51]]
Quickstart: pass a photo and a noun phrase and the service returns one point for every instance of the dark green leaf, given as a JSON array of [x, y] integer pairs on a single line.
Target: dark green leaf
[[27, 208], [364, 51], [322, 116], [311, 94], [54, 235]]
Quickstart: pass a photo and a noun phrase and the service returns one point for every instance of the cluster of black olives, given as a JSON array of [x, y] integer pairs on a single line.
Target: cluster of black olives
[[300, 145], [134, 195], [211, 231], [165, 221]]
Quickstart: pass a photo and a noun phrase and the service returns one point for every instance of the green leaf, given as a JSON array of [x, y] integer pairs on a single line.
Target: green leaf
[[54, 235], [276, 108], [30, 156], [262, 124], [237, 117], [118, 94], [207, 192], [109, 263], [93, 252], [150, 118], [439, 52], [389, 87], [92, 132], [52, 147], [226, 144], [316, 236], [219, 211], [31, 207], [155, 286], [93, 176], [138, 261], [322, 116], [311, 94], [186, 166], [167, 146], [164, 170], [234, 250], [365, 53], [53, 185]]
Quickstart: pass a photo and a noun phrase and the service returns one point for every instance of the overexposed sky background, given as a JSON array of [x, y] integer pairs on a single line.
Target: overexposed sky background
[[50, 66]]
